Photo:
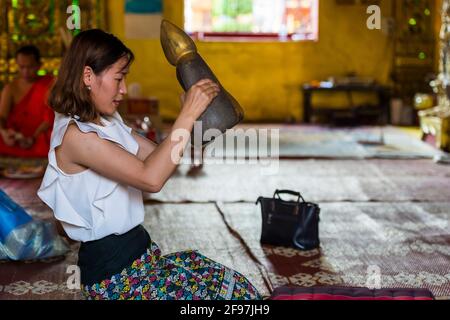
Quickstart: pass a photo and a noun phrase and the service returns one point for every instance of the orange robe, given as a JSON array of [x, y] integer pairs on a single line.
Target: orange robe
[[26, 116]]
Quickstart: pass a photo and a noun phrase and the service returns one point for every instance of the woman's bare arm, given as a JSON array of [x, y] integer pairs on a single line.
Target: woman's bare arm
[[149, 175], [146, 146], [113, 162]]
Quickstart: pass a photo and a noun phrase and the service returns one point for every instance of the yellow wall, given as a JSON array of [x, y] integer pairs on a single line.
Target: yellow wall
[[266, 77]]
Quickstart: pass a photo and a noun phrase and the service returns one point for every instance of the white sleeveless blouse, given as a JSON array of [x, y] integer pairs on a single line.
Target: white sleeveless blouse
[[89, 205]]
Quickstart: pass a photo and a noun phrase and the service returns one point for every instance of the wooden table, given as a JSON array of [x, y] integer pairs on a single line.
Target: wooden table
[[382, 107]]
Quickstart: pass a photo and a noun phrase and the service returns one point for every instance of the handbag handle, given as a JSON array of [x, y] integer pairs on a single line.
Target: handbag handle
[[293, 193]]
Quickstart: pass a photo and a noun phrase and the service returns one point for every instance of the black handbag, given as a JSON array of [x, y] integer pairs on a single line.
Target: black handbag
[[289, 223]]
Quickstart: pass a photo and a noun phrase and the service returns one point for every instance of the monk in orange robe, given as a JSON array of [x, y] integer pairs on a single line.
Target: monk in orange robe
[[26, 120]]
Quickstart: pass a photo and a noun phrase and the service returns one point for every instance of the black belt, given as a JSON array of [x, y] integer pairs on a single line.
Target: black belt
[[101, 259]]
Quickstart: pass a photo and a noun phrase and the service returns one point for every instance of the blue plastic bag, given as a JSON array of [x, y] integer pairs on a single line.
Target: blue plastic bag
[[23, 238]]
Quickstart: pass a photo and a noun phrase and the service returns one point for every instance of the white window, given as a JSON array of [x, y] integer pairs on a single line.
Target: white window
[[283, 19]]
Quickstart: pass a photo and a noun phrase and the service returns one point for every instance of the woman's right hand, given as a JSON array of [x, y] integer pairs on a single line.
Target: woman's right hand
[[198, 97]]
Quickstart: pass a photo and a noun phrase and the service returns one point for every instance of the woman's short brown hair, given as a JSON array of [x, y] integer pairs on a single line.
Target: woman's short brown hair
[[91, 48]]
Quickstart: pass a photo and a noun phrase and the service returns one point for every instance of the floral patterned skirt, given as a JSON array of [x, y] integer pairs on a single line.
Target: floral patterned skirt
[[186, 275]]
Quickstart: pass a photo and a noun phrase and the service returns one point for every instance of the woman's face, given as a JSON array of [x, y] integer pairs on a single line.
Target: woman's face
[[109, 88]]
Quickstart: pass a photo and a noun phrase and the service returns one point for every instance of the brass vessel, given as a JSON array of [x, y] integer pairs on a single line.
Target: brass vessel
[[224, 112]]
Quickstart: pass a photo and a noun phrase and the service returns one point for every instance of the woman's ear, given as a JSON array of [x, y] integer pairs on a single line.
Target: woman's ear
[[88, 75]]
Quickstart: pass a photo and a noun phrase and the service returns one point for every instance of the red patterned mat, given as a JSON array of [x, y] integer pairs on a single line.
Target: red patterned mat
[[348, 293], [402, 245], [407, 241], [39, 280]]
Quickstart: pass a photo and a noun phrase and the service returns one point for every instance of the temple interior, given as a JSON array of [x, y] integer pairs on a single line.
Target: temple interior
[[346, 102]]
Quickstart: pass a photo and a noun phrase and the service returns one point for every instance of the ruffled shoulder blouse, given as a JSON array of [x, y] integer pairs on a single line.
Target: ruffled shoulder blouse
[[89, 205]]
